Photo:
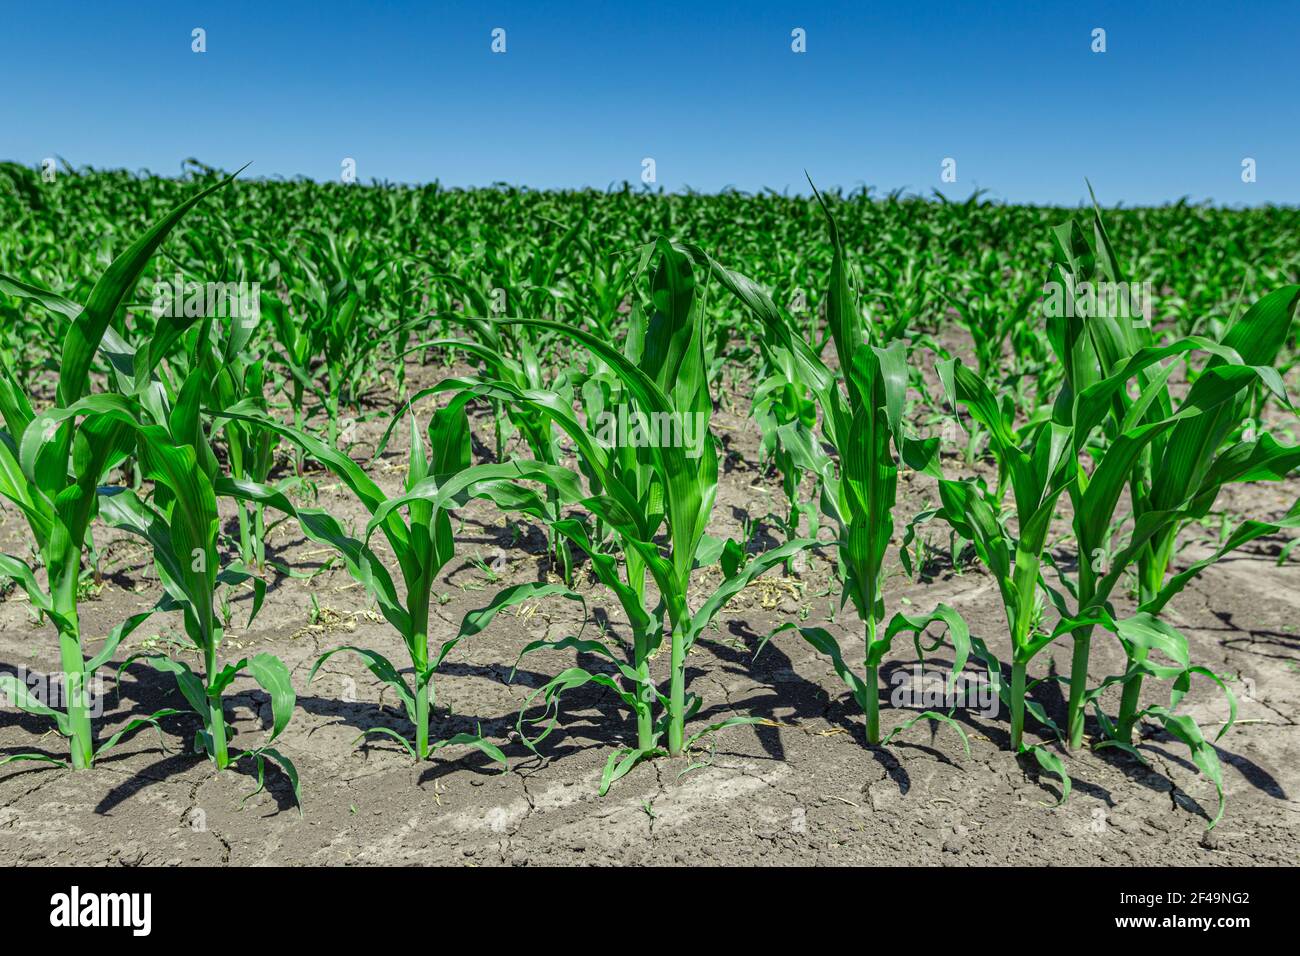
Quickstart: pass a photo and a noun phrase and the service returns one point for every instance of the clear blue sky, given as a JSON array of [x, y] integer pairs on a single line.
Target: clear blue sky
[[711, 91]]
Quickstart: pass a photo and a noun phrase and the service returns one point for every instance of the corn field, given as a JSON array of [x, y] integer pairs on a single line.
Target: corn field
[[415, 524]]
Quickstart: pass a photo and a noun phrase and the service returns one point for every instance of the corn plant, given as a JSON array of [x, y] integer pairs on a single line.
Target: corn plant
[[181, 528], [524, 373], [507, 287], [330, 319], [635, 491], [1043, 466], [1014, 558], [863, 426], [294, 356], [423, 545], [252, 451], [1172, 457], [1039, 471], [180, 523], [51, 464], [782, 401], [224, 357]]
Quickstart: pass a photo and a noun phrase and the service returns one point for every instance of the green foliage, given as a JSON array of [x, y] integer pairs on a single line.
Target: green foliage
[[1094, 443]]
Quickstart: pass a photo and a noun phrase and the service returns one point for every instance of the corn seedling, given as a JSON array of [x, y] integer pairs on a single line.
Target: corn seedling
[[423, 545], [180, 523], [524, 373], [1172, 457], [859, 488], [637, 488], [51, 465], [1039, 471]]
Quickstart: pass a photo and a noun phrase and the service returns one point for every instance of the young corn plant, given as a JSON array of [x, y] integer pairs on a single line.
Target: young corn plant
[[636, 490], [1213, 393], [294, 355], [1039, 471], [252, 452], [1197, 459], [863, 425], [181, 525], [514, 354], [524, 374], [422, 544], [224, 357], [1051, 466], [330, 321], [51, 465], [782, 401], [1171, 457]]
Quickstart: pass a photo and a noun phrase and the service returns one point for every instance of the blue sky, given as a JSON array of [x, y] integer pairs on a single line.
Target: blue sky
[[711, 91]]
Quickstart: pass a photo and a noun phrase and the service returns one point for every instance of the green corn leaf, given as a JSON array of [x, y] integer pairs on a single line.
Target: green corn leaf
[[1054, 765], [191, 687], [273, 676], [285, 764], [378, 665], [476, 620], [134, 727], [935, 717], [473, 740], [16, 694], [738, 581], [956, 629], [1185, 729], [621, 762], [551, 692], [88, 327]]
